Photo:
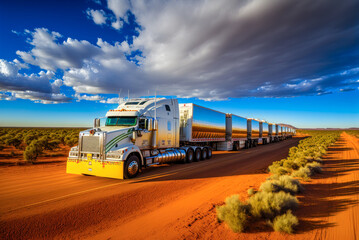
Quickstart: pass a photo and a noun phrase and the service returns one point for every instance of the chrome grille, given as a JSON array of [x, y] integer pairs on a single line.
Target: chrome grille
[[90, 144]]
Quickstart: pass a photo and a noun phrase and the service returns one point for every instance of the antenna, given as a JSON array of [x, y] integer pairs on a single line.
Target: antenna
[[119, 96], [128, 99], [155, 105]]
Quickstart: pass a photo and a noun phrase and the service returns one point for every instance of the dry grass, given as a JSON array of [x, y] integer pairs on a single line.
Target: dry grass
[[233, 213]]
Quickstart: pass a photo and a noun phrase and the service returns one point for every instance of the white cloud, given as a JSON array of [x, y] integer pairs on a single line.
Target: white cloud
[[119, 7], [118, 24], [207, 49], [16, 32], [11, 79], [50, 55], [111, 101], [35, 87], [39, 97], [88, 97], [7, 97], [98, 16]]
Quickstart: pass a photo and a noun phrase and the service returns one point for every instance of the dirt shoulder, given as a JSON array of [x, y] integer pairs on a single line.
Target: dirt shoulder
[[329, 207]]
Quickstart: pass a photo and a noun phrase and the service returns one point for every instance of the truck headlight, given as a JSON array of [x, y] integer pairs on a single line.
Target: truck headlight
[[73, 153], [113, 155]]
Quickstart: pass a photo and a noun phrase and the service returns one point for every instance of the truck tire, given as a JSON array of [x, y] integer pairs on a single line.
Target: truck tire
[[204, 153], [236, 146], [189, 155], [209, 153], [197, 154], [132, 167]]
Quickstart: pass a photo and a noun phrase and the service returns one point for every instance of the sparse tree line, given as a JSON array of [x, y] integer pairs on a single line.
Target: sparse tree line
[[353, 132], [34, 141], [275, 200]]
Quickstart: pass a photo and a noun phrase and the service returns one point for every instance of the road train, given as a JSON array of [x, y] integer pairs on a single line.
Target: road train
[[142, 132]]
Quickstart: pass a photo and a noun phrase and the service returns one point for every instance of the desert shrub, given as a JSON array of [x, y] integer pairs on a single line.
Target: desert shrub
[[276, 169], [13, 142], [233, 213], [251, 191], [285, 223], [314, 167], [303, 173], [290, 164], [32, 151], [29, 137], [48, 144], [269, 204], [282, 183], [71, 140]]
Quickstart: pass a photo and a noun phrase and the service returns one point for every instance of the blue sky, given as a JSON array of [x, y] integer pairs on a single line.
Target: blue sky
[[63, 63]]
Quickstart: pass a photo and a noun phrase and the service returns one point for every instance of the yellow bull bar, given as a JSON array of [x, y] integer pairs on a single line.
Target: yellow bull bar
[[94, 167]]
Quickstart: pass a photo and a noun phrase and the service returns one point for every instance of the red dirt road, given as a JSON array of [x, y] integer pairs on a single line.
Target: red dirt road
[[176, 202]]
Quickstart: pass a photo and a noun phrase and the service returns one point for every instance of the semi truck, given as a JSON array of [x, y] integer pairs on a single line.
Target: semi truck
[[142, 132]]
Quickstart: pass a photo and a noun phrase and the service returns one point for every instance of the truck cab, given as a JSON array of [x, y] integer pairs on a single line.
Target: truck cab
[[132, 134]]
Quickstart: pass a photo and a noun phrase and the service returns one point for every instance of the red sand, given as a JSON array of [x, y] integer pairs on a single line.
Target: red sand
[[175, 202]]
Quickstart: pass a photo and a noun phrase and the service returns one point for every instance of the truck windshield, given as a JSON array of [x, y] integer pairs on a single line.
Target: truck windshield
[[121, 121]]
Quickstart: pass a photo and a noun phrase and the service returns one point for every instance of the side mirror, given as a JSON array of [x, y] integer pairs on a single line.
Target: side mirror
[[96, 123]]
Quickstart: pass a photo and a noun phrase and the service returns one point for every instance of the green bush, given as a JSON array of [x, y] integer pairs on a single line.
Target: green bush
[[269, 204], [276, 169], [285, 223], [233, 213], [282, 183], [303, 173], [32, 151]]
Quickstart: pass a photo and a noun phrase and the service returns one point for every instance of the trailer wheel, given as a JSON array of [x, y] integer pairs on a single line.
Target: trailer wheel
[[204, 154], [197, 154], [189, 155], [236, 146], [209, 153], [132, 167]]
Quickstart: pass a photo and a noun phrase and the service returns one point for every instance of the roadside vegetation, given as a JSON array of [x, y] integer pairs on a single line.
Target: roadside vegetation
[[34, 142], [275, 200], [354, 133]]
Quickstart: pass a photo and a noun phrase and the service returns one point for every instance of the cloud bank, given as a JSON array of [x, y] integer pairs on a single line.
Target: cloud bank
[[205, 49]]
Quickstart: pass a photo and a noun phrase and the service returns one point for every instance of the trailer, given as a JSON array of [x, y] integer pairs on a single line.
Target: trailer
[[264, 130], [200, 126], [273, 129], [254, 132], [236, 132]]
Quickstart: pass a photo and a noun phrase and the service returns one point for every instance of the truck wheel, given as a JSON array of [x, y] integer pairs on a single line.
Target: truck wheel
[[189, 155], [132, 167], [235, 146], [204, 154], [209, 153], [197, 154]]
